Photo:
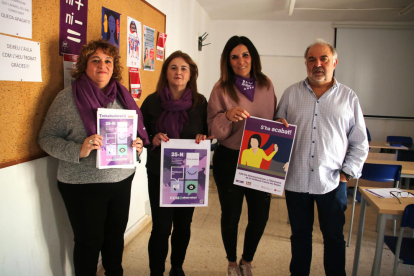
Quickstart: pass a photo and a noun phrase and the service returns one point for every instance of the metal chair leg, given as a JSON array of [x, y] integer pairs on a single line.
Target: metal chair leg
[[352, 213]]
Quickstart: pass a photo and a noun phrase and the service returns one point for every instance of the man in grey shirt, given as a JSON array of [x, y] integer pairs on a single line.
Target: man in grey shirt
[[330, 148]]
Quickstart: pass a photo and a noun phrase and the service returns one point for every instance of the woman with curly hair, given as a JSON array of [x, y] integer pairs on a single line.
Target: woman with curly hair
[[97, 201]]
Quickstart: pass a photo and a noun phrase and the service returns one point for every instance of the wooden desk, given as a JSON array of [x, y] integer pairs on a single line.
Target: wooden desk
[[384, 145], [386, 208]]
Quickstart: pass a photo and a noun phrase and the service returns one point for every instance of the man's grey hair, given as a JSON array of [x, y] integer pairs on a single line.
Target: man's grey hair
[[320, 41]]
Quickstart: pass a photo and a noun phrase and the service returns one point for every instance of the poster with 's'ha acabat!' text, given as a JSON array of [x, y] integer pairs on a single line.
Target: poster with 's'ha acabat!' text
[[264, 156]]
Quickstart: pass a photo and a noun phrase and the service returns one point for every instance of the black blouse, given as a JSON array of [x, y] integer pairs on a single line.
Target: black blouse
[[151, 110]]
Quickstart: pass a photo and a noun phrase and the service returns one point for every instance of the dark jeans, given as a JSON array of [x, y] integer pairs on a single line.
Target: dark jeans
[[98, 214], [231, 199], [163, 219], [331, 212]]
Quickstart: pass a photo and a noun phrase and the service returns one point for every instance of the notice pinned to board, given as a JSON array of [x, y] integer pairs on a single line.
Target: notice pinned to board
[[148, 48], [19, 60], [69, 65], [73, 26], [135, 82], [16, 17]]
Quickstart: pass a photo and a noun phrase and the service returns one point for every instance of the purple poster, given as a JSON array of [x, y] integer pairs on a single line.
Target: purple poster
[[264, 155], [118, 131], [185, 173], [73, 26], [110, 26]]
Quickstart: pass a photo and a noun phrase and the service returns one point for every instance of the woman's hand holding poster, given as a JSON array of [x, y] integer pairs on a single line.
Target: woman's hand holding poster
[[264, 155]]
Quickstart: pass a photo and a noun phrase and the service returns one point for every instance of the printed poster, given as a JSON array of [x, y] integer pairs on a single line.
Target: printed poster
[[118, 128], [20, 59], [16, 17], [185, 170], [135, 82], [69, 64], [148, 49], [110, 30], [161, 46], [264, 155], [133, 43], [73, 26]]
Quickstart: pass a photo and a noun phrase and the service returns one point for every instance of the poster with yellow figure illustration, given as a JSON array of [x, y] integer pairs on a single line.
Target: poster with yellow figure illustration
[[264, 155]]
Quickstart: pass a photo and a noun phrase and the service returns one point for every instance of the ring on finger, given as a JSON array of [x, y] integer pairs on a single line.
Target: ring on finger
[[91, 142]]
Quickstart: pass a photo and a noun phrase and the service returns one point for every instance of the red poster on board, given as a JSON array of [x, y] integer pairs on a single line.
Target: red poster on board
[[135, 83]]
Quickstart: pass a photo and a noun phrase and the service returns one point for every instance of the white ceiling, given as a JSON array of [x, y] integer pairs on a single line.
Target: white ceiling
[[308, 10]]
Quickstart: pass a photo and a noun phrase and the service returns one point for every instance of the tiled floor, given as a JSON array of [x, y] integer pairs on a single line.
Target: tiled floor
[[206, 255]]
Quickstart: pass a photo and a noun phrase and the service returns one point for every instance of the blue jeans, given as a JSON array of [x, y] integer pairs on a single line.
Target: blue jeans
[[331, 212]]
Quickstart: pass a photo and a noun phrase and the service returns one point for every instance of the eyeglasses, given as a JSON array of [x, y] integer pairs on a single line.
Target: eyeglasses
[[401, 194]]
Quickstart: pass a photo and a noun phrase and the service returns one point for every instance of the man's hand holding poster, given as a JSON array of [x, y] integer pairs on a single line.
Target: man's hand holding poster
[[264, 155], [185, 170]]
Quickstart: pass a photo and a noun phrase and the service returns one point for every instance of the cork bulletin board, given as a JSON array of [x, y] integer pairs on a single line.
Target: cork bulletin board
[[23, 105]]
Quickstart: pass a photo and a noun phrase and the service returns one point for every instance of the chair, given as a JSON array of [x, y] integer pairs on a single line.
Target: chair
[[403, 248], [379, 173], [368, 135], [405, 155]]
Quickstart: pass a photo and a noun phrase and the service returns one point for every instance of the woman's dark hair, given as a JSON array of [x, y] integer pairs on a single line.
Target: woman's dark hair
[[192, 83], [227, 73], [89, 49], [257, 137]]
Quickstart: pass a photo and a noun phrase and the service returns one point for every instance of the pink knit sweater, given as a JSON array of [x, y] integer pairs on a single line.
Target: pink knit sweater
[[228, 133]]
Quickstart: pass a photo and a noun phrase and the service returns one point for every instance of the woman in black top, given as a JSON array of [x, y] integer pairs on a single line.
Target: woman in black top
[[175, 110]]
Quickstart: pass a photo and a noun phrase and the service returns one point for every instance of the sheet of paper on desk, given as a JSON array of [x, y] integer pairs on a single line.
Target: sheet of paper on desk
[[391, 144], [385, 192]]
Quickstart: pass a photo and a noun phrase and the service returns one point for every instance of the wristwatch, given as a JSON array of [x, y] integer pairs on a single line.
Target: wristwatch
[[347, 176]]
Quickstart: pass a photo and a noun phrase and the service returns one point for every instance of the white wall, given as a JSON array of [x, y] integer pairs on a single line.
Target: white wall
[[36, 236], [286, 42], [186, 21]]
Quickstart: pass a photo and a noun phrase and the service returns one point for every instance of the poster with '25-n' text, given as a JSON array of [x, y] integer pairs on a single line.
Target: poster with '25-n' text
[[185, 169]]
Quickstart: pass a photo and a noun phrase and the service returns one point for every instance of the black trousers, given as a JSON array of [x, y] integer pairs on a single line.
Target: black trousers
[[331, 213], [163, 220], [98, 214], [231, 199]]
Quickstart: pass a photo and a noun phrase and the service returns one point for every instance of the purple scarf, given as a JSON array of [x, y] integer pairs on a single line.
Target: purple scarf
[[89, 98], [174, 115], [245, 86]]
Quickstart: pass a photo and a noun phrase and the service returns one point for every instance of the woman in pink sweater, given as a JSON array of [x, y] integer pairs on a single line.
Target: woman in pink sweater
[[242, 91]]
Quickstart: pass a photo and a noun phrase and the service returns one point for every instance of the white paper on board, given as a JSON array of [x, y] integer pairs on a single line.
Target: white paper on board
[[19, 60], [16, 17]]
